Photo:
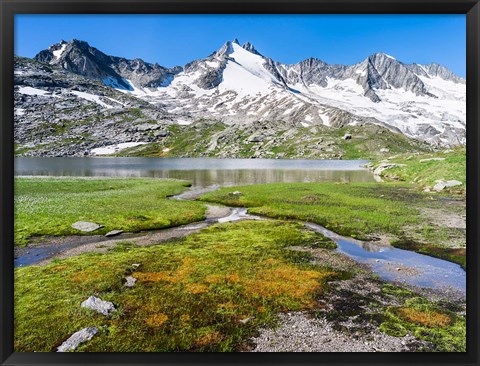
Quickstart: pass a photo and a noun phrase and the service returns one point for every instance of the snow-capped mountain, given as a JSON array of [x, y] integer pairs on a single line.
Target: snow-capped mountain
[[237, 84]]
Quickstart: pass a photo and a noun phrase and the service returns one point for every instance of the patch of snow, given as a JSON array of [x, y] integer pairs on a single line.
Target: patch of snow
[[90, 97], [58, 53], [212, 64], [28, 90], [184, 122], [112, 149]]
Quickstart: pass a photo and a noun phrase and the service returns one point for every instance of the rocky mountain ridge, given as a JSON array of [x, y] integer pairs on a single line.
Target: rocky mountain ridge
[[235, 85]]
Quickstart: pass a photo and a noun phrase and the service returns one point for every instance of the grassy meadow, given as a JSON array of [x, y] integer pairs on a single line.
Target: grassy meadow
[[48, 206]]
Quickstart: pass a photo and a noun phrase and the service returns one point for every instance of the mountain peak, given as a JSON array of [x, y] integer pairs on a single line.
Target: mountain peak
[[236, 41], [249, 47], [382, 55]]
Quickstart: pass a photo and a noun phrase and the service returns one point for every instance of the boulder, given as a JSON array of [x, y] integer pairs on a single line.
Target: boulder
[[98, 305], [130, 281], [86, 226], [384, 166], [113, 233], [76, 338], [442, 184]]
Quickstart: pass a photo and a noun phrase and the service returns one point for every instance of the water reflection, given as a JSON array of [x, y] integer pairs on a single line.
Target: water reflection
[[201, 172]]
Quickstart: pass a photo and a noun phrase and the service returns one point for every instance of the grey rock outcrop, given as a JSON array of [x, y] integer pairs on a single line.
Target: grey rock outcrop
[[77, 338], [442, 184], [80, 58], [98, 305], [86, 226]]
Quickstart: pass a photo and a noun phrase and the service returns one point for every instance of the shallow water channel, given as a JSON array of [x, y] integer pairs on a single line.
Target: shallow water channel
[[389, 263]]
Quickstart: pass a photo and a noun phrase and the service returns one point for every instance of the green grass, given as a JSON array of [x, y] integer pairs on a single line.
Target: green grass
[[426, 320], [358, 210], [48, 206], [427, 172], [191, 294]]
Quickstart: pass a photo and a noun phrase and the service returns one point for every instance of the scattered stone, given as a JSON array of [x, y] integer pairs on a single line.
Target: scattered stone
[[246, 320], [136, 265], [256, 138], [431, 159], [76, 338], [347, 136], [384, 166], [130, 281], [442, 184], [427, 189], [113, 233], [98, 305], [86, 226], [384, 150], [237, 193]]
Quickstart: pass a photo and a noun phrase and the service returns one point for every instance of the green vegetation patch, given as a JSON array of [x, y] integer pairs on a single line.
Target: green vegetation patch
[[207, 292], [427, 321], [424, 170], [357, 210], [48, 206]]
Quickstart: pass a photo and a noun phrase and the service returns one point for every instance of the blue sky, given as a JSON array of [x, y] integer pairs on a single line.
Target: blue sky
[[177, 39]]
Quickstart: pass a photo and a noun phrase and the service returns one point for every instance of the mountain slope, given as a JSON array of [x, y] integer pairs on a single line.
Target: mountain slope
[[236, 85]]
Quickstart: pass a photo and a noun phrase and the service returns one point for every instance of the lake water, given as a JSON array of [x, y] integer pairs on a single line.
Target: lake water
[[201, 172]]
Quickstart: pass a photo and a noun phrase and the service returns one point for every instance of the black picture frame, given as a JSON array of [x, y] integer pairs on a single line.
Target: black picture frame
[[11, 7]]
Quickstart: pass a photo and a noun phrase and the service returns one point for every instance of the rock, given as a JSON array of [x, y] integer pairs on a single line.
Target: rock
[[442, 184], [86, 226], [113, 233], [98, 305], [384, 166], [76, 338], [130, 281], [427, 189], [245, 321], [136, 265], [237, 193], [431, 159], [256, 138], [347, 136], [384, 150], [398, 269]]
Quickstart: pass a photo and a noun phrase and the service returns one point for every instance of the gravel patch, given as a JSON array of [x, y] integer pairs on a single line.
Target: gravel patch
[[298, 332]]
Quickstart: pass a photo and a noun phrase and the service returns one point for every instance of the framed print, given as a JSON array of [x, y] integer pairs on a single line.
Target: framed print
[[228, 182]]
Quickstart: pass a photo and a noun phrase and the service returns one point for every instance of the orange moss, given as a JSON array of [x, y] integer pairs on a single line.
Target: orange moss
[[184, 270], [208, 339], [196, 288], [86, 275], [287, 280], [234, 278], [156, 320], [432, 319], [214, 278]]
